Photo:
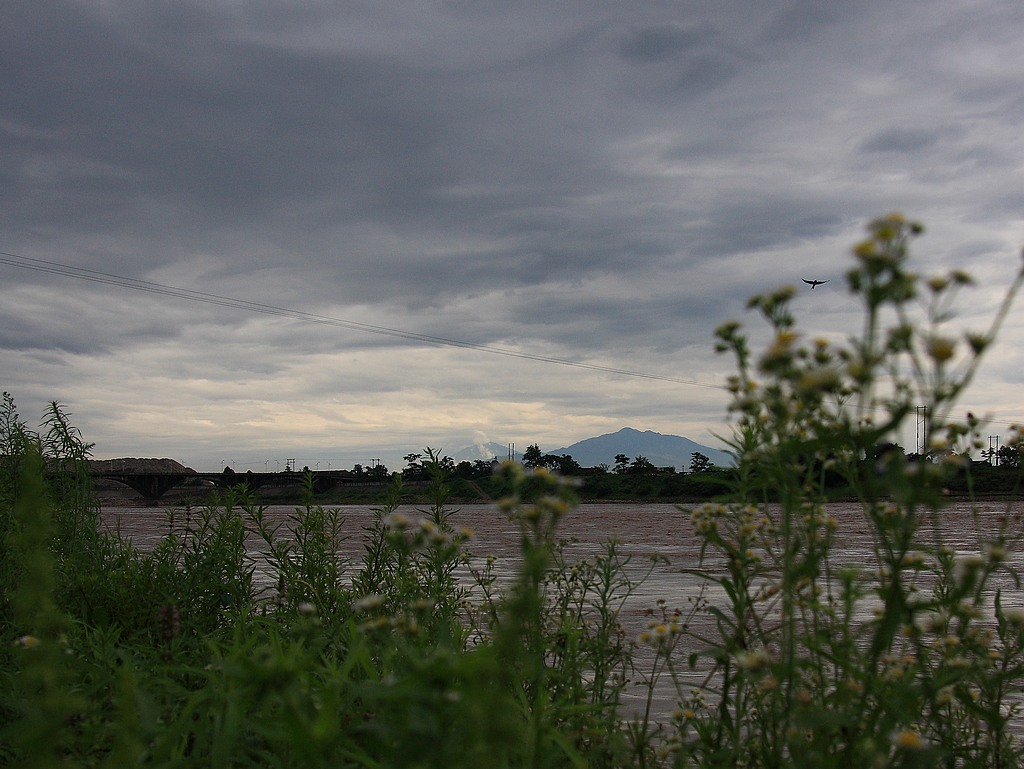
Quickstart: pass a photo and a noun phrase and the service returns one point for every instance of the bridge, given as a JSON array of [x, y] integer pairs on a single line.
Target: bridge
[[154, 485]]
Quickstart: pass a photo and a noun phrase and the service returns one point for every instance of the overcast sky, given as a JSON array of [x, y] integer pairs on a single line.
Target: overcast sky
[[593, 182]]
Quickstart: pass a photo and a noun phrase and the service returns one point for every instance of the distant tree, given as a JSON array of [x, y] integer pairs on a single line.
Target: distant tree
[[228, 471], [887, 452], [446, 463], [475, 470], [413, 469], [641, 465], [562, 463], [358, 469], [533, 457], [420, 467], [699, 463], [472, 470], [621, 463], [377, 471], [1008, 456]]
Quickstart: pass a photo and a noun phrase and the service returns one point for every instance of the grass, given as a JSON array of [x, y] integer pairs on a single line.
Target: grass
[[111, 656]]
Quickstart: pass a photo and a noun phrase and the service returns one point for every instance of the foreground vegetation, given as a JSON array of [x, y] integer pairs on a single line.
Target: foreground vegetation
[[115, 657]]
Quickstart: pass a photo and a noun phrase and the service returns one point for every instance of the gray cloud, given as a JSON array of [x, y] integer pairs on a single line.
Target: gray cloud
[[593, 184], [900, 140]]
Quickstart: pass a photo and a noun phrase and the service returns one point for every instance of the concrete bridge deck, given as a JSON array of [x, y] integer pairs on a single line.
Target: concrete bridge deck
[[154, 485]]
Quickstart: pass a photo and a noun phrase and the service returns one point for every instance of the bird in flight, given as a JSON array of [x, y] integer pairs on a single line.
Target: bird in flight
[[813, 283]]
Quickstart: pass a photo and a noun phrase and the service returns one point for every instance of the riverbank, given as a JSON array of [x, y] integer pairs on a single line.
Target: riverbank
[[670, 489]]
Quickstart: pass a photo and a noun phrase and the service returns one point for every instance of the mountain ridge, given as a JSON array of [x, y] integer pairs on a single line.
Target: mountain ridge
[[660, 450]]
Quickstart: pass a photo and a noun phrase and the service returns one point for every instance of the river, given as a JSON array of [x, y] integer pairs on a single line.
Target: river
[[645, 532]]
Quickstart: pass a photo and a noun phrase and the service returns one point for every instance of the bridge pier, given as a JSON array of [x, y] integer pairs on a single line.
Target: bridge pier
[[151, 486]]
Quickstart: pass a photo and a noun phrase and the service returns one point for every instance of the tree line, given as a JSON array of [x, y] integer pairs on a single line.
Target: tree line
[[533, 458]]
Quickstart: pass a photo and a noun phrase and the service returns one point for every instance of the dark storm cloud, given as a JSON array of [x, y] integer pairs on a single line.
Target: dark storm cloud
[[97, 321], [662, 43], [25, 334], [900, 140], [240, 134], [762, 223], [587, 181], [690, 59], [264, 124]]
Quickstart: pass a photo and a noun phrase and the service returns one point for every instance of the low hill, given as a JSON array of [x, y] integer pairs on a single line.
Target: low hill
[[136, 465]]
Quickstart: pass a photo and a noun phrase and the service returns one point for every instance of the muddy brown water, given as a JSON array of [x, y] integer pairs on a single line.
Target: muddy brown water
[[644, 532]]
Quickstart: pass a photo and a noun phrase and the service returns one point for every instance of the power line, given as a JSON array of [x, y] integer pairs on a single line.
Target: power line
[[121, 281]]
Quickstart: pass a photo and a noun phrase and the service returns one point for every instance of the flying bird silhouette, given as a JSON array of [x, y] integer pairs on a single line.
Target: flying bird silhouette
[[813, 283]]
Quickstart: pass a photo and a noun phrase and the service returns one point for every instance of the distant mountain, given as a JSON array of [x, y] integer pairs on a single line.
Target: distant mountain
[[486, 451], [661, 450]]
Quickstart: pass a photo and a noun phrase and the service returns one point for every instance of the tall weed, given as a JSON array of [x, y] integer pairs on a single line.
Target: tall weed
[[906, 659]]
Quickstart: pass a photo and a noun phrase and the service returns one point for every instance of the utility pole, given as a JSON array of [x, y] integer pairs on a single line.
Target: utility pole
[[922, 430], [993, 450]]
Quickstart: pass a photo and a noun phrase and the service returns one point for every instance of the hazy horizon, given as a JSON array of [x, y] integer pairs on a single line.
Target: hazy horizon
[[394, 460]]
